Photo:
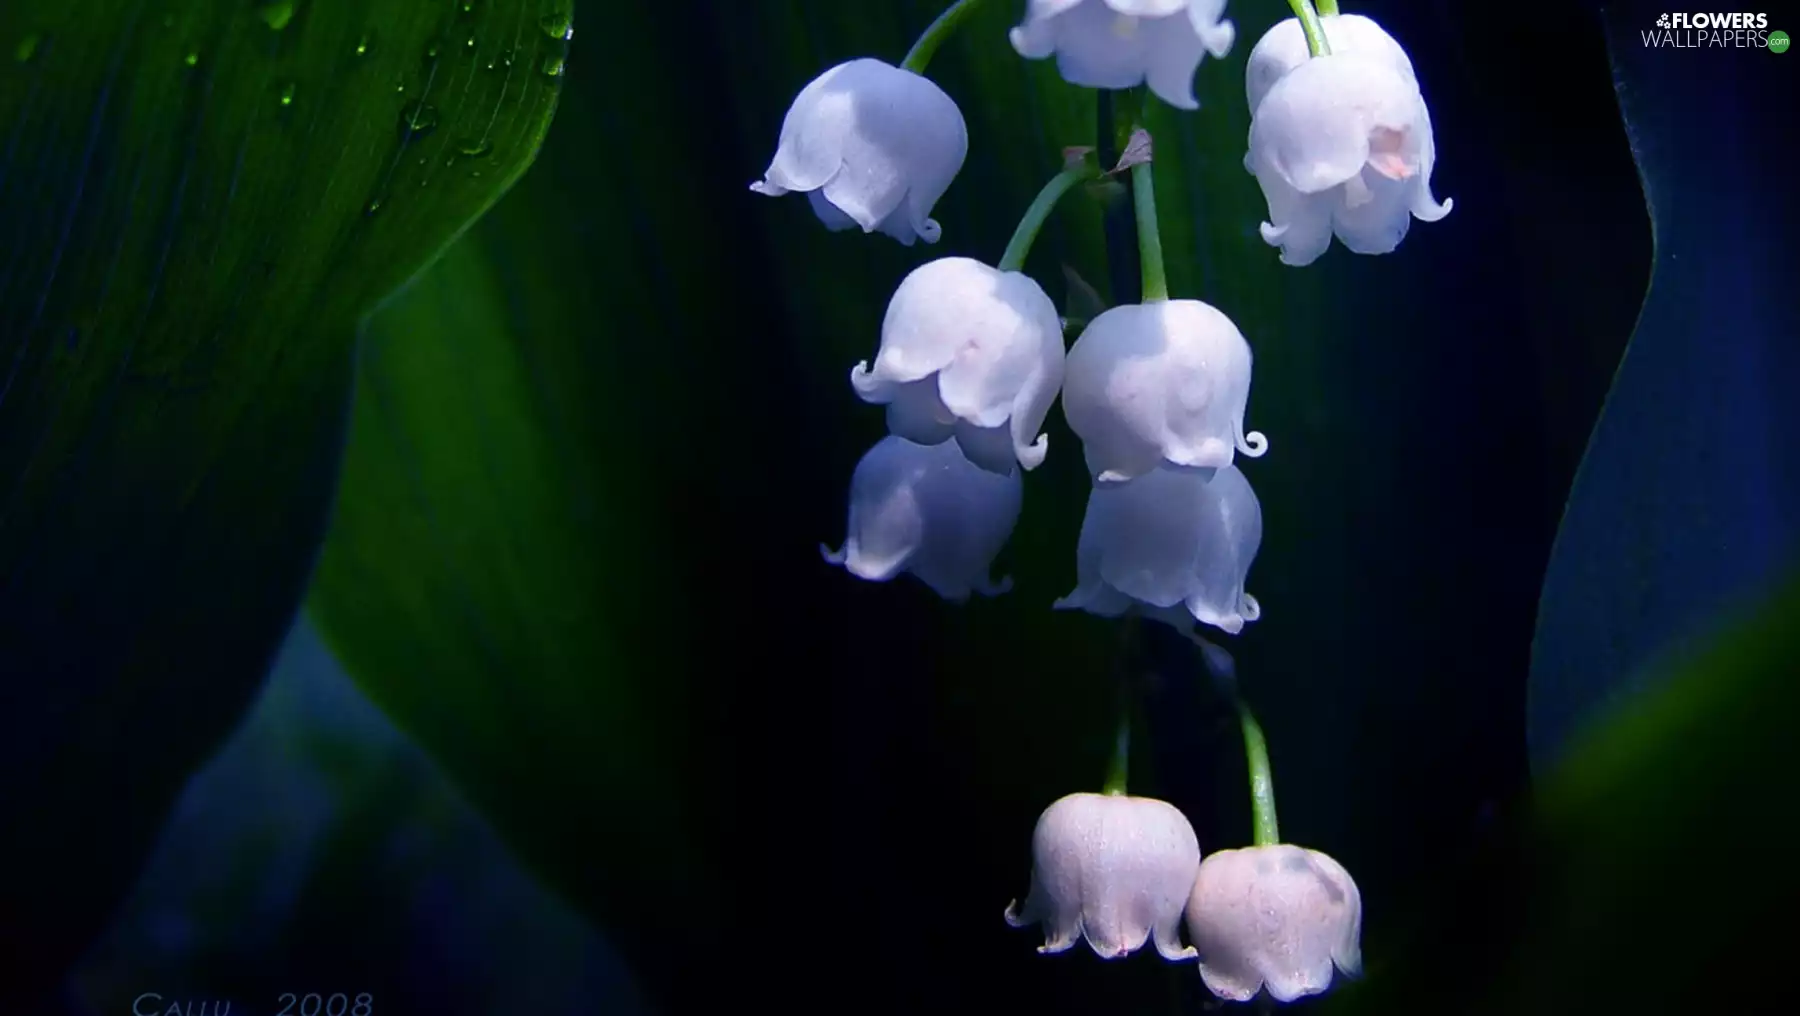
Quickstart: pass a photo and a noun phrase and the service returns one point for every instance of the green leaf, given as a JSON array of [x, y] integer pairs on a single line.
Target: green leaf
[[199, 203], [1649, 875]]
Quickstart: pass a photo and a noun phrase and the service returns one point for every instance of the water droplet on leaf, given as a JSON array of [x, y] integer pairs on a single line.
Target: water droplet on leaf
[[474, 148], [277, 13], [287, 94], [27, 47], [553, 66], [373, 206], [192, 59], [557, 26], [362, 45], [417, 118]]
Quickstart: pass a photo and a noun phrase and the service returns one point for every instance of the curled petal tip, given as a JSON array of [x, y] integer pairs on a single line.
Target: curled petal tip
[[1254, 444], [1013, 917], [832, 557], [1427, 211], [1179, 954], [1032, 455], [1272, 233]]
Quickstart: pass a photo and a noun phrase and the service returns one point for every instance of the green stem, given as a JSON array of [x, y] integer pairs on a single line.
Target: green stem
[[1262, 784], [1309, 23], [1121, 761], [1041, 207], [1327, 8], [1150, 255], [1117, 773], [935, 34]]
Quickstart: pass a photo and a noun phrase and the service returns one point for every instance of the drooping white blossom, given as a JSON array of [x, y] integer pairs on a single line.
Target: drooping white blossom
[[1125, 43], [1162, 381], [968, 352], [928, 511], [1277, 916], [1340, 144], [872, 146], [1173, 545], [1113, 869]]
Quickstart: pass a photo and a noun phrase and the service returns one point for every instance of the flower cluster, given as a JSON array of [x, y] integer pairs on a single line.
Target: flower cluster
[[971, 359]]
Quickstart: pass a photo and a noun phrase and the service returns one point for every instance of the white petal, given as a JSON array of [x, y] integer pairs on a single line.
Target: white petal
[[874, 144], [1118, 869], [1230, 523], [1276, 915], [1176, 542], [1283, 48], [1316, 124], [1300, 224], [927, 510], [1161, 381], [968, 346], [1123, 43], [1373, 212]]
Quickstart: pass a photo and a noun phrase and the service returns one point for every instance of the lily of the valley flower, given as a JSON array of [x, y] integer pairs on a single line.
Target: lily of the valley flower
[[1278, 916], [1162, 381], [927, 510], [1340, 144], [1173, 545], [871, 146], [1124, 43], [971, 352], [1116, 870]]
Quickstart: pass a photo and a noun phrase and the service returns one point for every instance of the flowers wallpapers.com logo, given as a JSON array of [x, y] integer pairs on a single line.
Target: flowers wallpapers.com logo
[[1714, 31]]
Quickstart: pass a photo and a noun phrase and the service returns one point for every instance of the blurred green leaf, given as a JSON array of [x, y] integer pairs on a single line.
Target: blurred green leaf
[[199, 203], [1649, 874]]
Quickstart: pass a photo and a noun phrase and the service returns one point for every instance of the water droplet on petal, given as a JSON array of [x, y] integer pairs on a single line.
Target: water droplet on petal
[[417, 118]]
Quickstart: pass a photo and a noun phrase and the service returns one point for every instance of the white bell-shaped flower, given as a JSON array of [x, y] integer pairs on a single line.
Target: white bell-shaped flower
[[1173, 545], [1125, 43], [1283, 48], [872, 146], [927, 510], [1116, 870], [1341, 144], [971, 352], [1162, 381], [1277, 916]]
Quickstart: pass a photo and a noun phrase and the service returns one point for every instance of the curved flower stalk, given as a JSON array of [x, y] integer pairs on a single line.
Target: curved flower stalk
[[1125, 43], [1166, 380], [927, 510], [1340, 144], [1173, 545], [1115, 870], [972, 352], [1276, 916], [872, 146]]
